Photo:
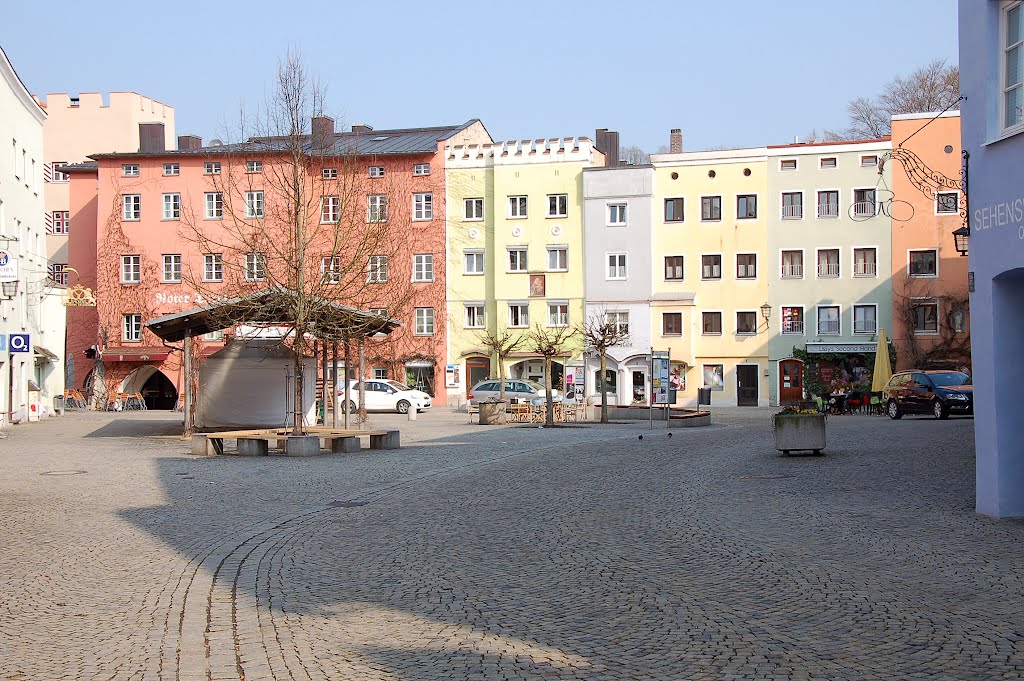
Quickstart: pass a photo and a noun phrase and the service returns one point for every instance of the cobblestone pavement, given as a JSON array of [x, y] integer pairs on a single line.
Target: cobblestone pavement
[[496, 553]]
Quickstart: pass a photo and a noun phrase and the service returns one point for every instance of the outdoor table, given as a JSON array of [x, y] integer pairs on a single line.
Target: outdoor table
[[838, 402]]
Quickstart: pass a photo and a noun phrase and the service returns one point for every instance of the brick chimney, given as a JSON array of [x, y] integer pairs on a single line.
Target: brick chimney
[[189, 142], [675, 141], [361, 127], [151, 137], [323, 131]]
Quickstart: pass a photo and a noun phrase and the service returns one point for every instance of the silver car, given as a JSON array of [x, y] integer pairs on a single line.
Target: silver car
[[516, 389]]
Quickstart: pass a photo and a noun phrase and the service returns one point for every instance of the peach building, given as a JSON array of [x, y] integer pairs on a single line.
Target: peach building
[[159, 235], [931, 318]]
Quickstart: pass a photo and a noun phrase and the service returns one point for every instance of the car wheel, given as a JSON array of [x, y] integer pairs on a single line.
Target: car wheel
[[352, 408], [894, 410], [939, 410], [402, 407]]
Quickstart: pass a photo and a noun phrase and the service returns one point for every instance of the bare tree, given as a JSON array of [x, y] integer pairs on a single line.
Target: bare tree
[[634, 156], [502, 344], [933, 87], [550, 342], [949, 345], [600, 335]]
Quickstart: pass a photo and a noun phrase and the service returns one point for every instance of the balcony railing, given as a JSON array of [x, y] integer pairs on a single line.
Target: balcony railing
[[864, 269], [828, 210], [792, 212], [864, 326], [828, 269], [793, 326], [828, 327], [864, 209], [792, 271]]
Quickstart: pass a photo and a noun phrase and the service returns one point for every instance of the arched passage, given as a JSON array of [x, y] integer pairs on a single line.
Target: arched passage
[[156, 389]]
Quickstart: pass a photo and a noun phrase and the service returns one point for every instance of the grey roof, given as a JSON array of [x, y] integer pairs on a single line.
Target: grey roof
[[369, 143], [80, 167]]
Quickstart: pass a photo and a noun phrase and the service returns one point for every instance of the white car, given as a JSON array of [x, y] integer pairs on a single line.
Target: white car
[[386, 395]]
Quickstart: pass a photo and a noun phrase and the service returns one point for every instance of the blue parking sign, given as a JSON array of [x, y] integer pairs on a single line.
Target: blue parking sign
[[19, 342], [3, 342]]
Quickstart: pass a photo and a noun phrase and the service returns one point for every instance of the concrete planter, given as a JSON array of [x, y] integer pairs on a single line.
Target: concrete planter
[[795, 432], [491, 413]]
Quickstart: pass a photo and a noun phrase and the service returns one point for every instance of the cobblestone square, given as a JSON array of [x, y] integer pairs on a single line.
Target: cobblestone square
[[501, 553]]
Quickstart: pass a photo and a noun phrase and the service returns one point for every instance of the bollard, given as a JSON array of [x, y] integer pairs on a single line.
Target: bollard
[[412, 413]]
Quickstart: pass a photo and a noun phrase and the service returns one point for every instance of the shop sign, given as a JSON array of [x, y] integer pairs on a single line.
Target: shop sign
[[660, 370], [8, 267], [821, 348], [452, 379], [79, 296], [575, 382]]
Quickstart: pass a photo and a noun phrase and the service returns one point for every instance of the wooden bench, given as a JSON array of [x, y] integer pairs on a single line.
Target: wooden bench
[[257, 442]]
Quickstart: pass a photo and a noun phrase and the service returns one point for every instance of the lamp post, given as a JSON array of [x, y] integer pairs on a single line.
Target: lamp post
[[10, 289]]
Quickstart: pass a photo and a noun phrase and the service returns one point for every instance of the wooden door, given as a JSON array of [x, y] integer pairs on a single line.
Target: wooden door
[[791, 383], [477, 369], [746, 385]]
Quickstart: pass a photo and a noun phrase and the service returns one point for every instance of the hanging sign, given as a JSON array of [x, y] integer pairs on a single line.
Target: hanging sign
[[8, 267], [79, 296]]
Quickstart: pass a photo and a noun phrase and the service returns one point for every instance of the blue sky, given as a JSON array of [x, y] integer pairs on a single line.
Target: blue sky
[[741, 73]]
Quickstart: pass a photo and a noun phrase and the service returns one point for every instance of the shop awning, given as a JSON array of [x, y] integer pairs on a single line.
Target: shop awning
[[40, 351], [134, 354]]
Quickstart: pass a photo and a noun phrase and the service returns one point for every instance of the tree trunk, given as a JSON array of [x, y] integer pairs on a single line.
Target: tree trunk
[[501, 376], [604, 386], [549, 419], [297, 388]]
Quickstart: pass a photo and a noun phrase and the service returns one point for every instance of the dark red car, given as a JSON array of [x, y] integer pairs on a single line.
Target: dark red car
[[939, 393]]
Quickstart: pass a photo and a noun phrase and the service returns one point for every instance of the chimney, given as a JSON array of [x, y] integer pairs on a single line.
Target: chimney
[[323, 131], [189, 142], [361, 127], [608, 144], [151, 137], [675, 141]]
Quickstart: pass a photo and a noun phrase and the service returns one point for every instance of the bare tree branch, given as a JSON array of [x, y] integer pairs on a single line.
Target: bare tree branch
[[550, 342], [600, 335]]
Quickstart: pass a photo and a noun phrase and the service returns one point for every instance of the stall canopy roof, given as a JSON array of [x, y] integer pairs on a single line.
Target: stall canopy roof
[[328, 320]]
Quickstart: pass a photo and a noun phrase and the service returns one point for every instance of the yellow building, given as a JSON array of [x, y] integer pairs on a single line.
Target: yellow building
[[709, 277], [515, 251]]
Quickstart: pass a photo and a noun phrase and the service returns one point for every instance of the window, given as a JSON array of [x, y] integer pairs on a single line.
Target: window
[[379, 311], [474, 209], [380, 374], [711, 323], [61, 222], [376, 171], [330, 210], [214, 205], [172, 206], [254, 166], [474, 316], [329, 173], [869, 161], [746, 206], [132, 207], [828, 320], [714, 376], [558, 258], [423, 206], [828, 204], [131, 269], [746, 266], [211, 168], [558, 314], [616, 265], [1012, 18], [518, 315], [214, 336], [865, 319], [377, 269], [330, 270], [865, 263], [710, 267], [172, 169], [213, 267], [474, 262], [673, 210], [255, 266], [672, 324], [254, 204], [828, 162], [710, 208], [947, 202], [924, 263], [828, 262], [131, 329], [517, 207], [793, 320], [376, 208], [673, 268], [608, 385], [620, 320], [172, 268], [787, 164], [421, 169], [864, 203], [792, 264], [746, 323], [423, 267], [616, 213], [130, 169], [558, 205], [792, 205], [54, 172], [926, 317], [517, 259], [424, 321]]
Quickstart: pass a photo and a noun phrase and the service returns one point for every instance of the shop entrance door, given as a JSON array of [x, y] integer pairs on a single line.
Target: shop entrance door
[[791, 384], [746, 385], [477, 369]]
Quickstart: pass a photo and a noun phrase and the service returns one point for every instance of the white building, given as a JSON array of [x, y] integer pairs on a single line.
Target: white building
[[31, 315]]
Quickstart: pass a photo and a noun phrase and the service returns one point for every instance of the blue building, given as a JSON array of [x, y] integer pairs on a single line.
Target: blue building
[[992, 81]]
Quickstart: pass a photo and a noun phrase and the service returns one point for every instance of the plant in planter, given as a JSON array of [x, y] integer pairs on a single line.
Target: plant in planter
[[799, 429]]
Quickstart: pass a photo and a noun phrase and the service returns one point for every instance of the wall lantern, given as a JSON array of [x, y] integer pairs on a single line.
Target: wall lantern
[[960, 239], [10, 289], [766, 312]]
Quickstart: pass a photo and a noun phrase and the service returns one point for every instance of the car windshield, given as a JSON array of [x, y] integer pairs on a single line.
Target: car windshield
[[950, 378], [534, 385], [398, 386]]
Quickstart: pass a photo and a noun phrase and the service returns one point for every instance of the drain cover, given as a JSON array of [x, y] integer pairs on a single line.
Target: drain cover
[[62, 473], [346, 504], [767, 476]]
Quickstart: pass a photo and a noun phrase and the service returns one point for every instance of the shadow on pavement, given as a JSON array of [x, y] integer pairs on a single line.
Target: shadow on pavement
[[138, 428]]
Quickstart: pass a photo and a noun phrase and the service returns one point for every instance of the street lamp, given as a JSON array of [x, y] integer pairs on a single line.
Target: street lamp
[[10, 289], [960, 239], [766, 312]]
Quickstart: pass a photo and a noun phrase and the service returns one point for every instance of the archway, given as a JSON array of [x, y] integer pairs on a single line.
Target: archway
[[156, 389]]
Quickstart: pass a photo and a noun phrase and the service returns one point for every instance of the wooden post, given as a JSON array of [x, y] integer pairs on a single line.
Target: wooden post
[[334, 385], [187, 405], [362, 379], [348, 387]]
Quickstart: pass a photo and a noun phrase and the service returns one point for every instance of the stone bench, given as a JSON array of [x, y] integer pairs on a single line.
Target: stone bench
[[257, 443]]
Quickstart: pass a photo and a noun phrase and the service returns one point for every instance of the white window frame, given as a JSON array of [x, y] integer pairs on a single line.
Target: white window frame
[[922, 302], [555, 249], [172, 169], [254, 166], [131, 207], [213, 267], [618, 214], [854, 202], [558, 313], [838, 263], [561, 205], [474, 315], [423, 321], [910, 273], [834, 165], [618, 318], [255, 266], [214, 336], [1004, 26], [423, 268], [211, 168], [422, 206], [377, 208], [869, 160], [131, 327], [172, 268], [818, 204], [617, 270], [521, 259], [782, 263], [377, 267], [254, 207], [172, 206], [803, 320], [330, 269], [755, 266], [736, 320], [864, 332], [721, 323], [213, 204], [956, 193], [329, 173], [818, 320], [330, 210], [703, 277], [130, 170], [376, 172], [792, 213], [853, 254], [518, 207], [518, 315], [473, 209], [475, 257], [131, 269], [420, 169], [61, 222], [784, 161]]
